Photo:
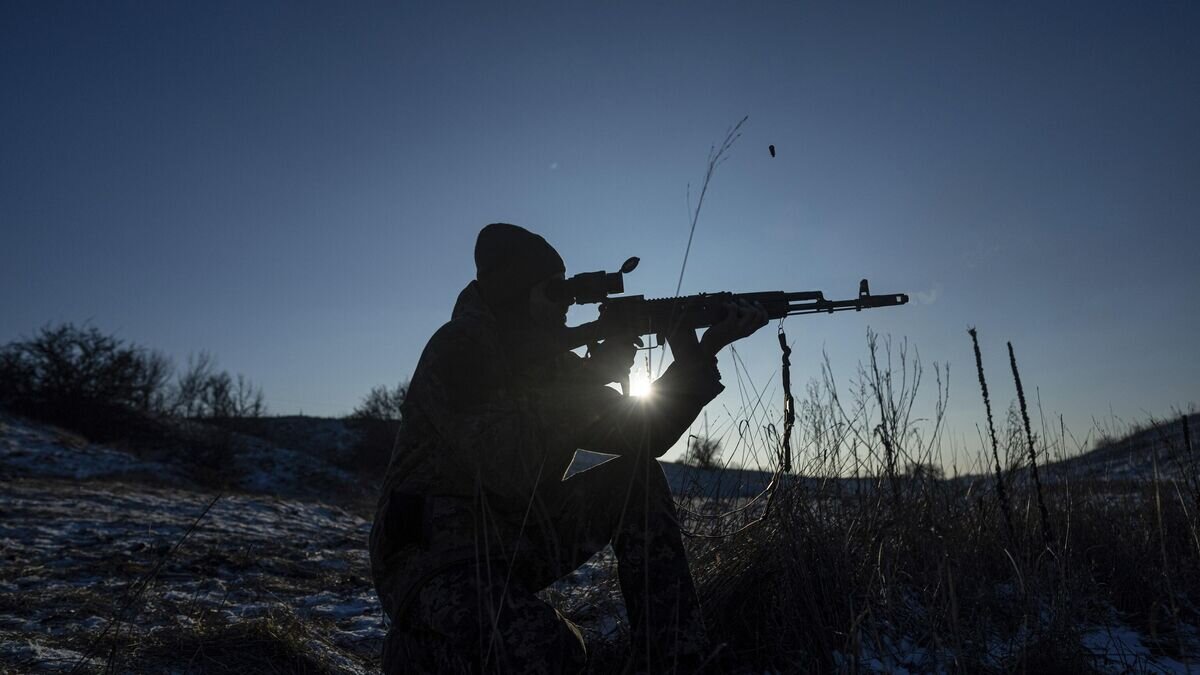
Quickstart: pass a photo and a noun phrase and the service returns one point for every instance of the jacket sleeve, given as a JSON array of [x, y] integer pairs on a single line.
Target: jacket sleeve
[[489, 433], [626, 425]]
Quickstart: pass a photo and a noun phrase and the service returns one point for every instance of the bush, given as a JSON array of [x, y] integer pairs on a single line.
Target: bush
[[201, 391], [382, 403], [924, 471], [67, 373], [704, 452], [106, 389]]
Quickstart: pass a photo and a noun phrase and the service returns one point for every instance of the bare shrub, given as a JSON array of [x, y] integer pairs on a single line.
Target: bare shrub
[[382, 403], [190, 385], [704, 452], [201, 391], [922, 471]]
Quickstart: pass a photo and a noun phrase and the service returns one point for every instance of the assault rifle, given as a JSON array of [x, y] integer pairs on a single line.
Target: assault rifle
[[634, 315]]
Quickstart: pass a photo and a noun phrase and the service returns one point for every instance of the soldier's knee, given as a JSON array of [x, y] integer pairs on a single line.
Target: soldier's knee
[[540, 642], [449, 631]]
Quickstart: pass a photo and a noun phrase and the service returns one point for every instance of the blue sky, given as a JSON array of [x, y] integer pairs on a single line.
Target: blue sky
[[296, 187]]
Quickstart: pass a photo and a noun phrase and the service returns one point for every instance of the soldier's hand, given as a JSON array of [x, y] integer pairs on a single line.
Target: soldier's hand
[[741, 320], [613, 359]]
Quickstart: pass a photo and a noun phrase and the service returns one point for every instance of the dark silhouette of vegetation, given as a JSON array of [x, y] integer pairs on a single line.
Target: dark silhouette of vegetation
[[704, 452], [382, 403], [202, 391], [105, 388], [1047, 532], [368, 458], [998, 484], [845, 575], [924, 471], [66, 365], [80, 378], [377, 420]]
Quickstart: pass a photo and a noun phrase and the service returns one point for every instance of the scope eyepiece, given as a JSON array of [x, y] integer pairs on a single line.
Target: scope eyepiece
[[590, 287], [585, 288]]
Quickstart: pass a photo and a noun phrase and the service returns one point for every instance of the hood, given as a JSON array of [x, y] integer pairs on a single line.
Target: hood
[[470, 303]]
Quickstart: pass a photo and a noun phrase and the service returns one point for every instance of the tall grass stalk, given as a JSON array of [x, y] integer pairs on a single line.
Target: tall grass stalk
[[1193, 464], [1047, 532], [886, 436], [1187, 437], [1001, 495]]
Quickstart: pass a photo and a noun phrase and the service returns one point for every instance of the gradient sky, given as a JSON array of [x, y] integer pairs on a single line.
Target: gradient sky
[[296, 187]]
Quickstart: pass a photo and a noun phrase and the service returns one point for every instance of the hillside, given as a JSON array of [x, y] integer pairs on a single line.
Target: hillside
[[1138, 454], [124, 559]]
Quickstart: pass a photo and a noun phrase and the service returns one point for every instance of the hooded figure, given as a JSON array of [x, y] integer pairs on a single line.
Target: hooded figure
[[475, 516], [509, 262]]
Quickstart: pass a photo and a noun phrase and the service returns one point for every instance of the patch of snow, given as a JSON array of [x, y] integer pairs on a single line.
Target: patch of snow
[[1117, 648], [902, 655], [33, 450], [248, 558], [30, 653]]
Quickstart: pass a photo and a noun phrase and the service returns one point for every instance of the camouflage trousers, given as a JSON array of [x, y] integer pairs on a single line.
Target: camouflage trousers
[[486, 618]]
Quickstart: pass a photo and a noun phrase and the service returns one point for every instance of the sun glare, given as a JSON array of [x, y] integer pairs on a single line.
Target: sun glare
[[639, 386]]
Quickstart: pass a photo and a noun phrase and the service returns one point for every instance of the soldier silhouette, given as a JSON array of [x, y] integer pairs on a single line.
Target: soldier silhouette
[[475, 516]]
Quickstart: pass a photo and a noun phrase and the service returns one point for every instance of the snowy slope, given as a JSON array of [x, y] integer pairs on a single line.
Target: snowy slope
[[82, 525]]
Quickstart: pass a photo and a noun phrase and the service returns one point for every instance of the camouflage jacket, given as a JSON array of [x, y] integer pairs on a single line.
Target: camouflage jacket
[[481, 422]]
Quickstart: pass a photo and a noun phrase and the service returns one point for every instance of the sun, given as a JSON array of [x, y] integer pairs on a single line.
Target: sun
[[640, 386]]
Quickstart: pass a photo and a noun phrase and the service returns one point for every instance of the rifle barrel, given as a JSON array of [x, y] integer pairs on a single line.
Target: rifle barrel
[[857, 304]]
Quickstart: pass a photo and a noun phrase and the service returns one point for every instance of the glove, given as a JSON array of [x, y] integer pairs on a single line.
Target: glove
[[741, 320], [611, 360]]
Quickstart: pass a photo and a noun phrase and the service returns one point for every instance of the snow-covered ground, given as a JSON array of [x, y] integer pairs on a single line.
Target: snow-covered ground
[[255, 466], [73, 552], [28, 449], [81, 525], [1160, 449]]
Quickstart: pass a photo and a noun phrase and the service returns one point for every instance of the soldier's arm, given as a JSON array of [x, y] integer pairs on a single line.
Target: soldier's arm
[[627, 425], [653, 424]]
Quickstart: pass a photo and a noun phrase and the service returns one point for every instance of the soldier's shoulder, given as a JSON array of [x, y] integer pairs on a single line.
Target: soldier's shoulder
[[467, 332], [456, 359]]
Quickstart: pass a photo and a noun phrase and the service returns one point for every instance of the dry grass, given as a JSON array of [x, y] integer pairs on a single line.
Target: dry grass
[[908, 569], [275, 644]]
